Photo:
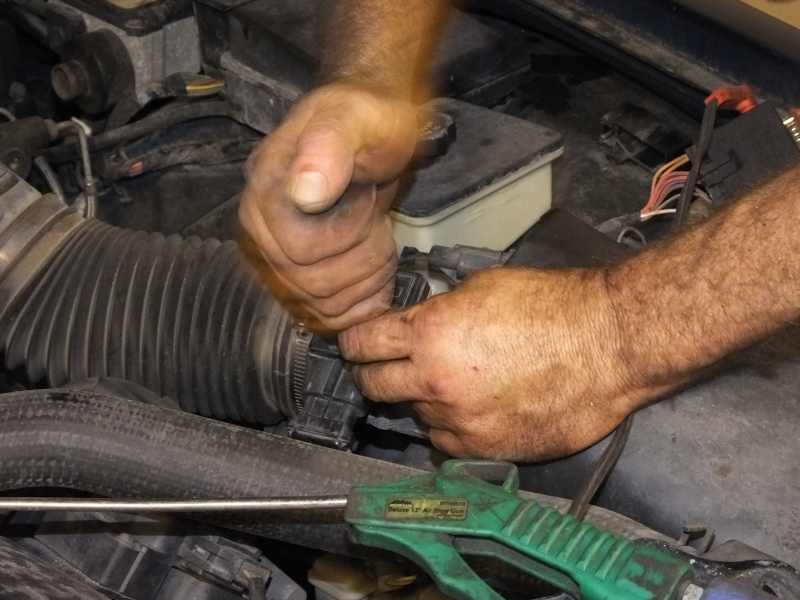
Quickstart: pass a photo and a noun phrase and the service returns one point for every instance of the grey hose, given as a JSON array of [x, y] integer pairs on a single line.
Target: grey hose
[[115, 447], [174, 114], [186, 318]]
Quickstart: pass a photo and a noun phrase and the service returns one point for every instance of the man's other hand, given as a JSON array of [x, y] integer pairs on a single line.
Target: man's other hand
[[317, 200], [515, 364]]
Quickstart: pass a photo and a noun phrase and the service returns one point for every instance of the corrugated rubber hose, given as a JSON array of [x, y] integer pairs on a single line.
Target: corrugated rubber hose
[[121, 448], [112, 446], [186, 318]]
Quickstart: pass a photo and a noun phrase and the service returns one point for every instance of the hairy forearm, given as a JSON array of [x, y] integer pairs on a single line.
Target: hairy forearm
[[719, 287], [385, 42]]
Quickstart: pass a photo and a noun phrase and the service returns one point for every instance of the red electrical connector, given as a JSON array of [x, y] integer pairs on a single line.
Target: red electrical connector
[[740, 98]]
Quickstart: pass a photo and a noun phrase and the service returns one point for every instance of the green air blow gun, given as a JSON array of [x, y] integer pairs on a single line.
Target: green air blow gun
[[435, 519]]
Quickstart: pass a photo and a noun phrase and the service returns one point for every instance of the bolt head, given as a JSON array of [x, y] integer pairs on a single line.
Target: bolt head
[[69, 80]]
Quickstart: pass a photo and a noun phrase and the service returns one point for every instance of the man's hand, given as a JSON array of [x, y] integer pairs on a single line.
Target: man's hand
[[317, 201], [515, 364], [530, 365]]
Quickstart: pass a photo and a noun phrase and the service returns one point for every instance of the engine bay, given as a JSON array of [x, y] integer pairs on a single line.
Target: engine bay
[[144, 357]]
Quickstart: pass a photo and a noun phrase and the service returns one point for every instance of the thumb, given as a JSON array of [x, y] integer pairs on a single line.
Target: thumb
[[323, 165], [356, 137]]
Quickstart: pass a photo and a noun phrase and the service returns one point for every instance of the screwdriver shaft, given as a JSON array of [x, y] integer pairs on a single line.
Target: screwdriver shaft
[[261, 505]]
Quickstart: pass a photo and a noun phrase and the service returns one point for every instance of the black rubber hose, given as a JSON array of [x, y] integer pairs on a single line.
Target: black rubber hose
[[606, 463], [701, 149], [115, 447], [186, 318], [165, 118]]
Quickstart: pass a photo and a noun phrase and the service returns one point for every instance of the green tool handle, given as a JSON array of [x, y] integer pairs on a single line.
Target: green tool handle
[[434, 519]]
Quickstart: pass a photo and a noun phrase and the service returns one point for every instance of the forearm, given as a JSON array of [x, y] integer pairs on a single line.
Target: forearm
[[384, 42], [716, 289]]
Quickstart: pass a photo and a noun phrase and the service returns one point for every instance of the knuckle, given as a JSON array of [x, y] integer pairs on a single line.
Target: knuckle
[[332, 307], [475, 446], [472, 430], [263, 169], [326, 140], [430, 321], [365, 310], [350, 343], [341, 322], [383, 299], [322, 289], [449, 444], [383, 304], [370, 384], [290, 237], [361, 375], [323, 135], [326, 325], [426, 412], [434, 389], [387, 253]]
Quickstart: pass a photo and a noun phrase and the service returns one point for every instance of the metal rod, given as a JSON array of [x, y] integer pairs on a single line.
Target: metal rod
[[50, 176], [262, 505], [83, 131]]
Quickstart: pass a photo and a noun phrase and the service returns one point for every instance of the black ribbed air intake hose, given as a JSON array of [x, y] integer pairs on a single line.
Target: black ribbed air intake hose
[[186, 318], [120, 448], [112, 446]]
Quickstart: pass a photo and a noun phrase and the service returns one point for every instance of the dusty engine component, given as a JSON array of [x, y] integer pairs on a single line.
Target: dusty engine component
[[117, 553], [22, 140], [110, 52], [496, 165], [268, 54], [751, 149], [96, 71]]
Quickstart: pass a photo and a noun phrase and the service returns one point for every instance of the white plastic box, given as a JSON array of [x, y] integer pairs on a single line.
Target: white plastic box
[[492, 185]]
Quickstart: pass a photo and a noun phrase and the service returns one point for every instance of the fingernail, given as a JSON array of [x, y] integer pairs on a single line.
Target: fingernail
[[308, 191]]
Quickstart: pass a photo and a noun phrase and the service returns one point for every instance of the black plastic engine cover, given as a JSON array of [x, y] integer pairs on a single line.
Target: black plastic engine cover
[[274, 46], [753, 148]]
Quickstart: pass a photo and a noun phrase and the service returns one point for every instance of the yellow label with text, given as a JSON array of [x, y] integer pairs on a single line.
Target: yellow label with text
[[427, 509]]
